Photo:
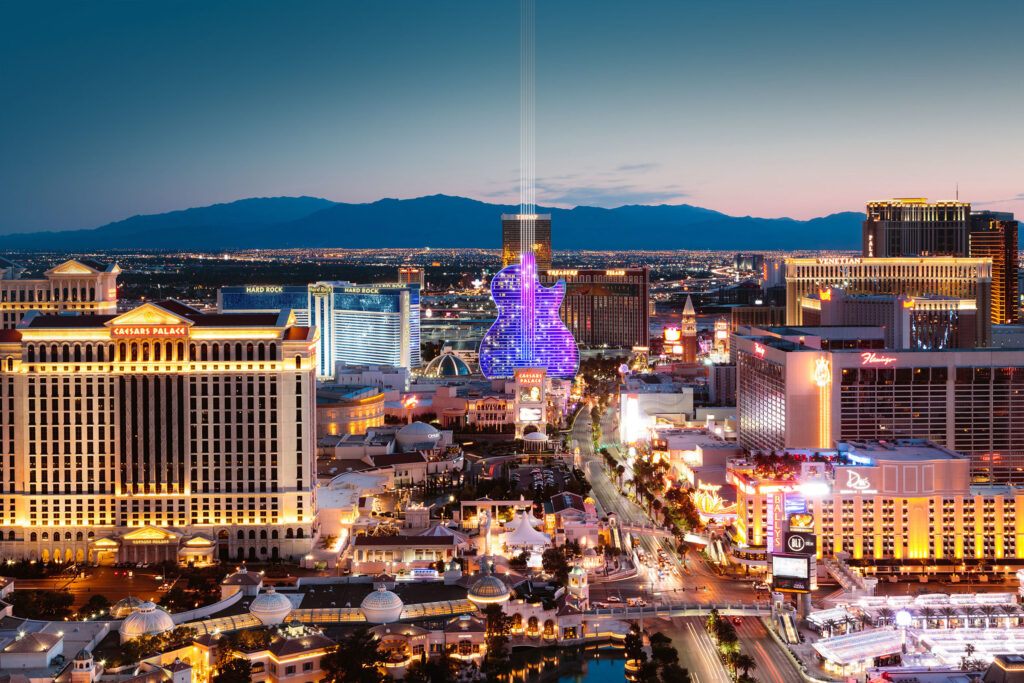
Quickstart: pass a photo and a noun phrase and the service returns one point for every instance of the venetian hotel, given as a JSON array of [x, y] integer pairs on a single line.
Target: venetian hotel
[[159, 434]]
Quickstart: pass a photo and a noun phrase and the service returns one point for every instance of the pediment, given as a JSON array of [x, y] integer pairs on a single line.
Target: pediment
[[149, 314], [72, 267], [150, 533]]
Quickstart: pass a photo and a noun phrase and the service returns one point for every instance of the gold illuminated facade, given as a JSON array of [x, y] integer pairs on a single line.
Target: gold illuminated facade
[[604, 306], [140, 436], [512, 227], [959, 278], [994, 236], [888, 503], [78, 286]]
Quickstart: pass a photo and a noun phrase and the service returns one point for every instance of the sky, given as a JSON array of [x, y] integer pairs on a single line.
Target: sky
[[785, 108]]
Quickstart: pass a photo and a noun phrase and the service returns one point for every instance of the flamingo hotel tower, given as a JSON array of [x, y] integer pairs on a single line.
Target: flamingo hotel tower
[[161, 434]]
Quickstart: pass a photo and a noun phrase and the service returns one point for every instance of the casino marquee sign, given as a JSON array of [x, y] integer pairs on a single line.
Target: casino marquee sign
[[130, 331]]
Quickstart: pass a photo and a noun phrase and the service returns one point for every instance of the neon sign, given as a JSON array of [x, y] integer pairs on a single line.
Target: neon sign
[[857, 483], [839, 261], [758, 350], [615, 273], [672, 334], [320, 290], [262, 289], [823, 372], [563, 273], [149, 331], [529, 376], [872, 358], [825, 295]]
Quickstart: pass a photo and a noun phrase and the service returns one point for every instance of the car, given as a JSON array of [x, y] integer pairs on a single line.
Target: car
[[737, 620], [614, 598]]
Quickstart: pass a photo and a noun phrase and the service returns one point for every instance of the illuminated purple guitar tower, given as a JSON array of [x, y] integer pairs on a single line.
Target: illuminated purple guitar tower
[[528, 332]]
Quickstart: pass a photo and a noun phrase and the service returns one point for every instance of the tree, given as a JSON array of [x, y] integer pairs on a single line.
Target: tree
[[742, 662], [553, 561], [634, 645], [233, 670], [356, 659], [45, 605], [97, 604]]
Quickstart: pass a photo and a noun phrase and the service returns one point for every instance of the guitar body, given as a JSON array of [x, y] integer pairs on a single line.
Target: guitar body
[[528, 332]]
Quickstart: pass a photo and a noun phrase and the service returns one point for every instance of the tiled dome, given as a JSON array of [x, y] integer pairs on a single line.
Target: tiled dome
[[382, 606], [147, 620], [270, 607]]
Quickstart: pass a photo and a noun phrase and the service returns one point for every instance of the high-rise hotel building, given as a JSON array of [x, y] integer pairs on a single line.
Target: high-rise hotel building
[[916, 227], [359, 324], [512, 227], [76, 286], [959, 278], [994, 235], [798, 390], [604, 306], [159, 434]]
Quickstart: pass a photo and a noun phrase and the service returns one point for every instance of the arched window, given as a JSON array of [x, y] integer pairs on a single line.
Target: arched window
[[157, 349], [181, 351], [32, 537], [78, 353], [203, 352], [252, 534], [67, 536], [122, 352], [248, 351], [78, 536], [241, 535], [10, 535], [10, 365], [31, 353], [299, 533], [273, 534], [66, 353], [261, 350], [273, 352], [263, 535], [88, 353], [298, 362], [145, 352], [289, 533], [135, 351], [216, 352], [238, 351], [192, 352]]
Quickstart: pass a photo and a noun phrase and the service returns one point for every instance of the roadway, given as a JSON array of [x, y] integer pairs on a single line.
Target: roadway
[[696, 582]]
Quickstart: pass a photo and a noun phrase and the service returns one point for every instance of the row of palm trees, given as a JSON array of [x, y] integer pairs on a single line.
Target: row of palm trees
[[946, 615]]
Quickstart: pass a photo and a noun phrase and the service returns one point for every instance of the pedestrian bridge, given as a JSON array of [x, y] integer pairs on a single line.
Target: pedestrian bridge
[[646, 530], [698, 609]]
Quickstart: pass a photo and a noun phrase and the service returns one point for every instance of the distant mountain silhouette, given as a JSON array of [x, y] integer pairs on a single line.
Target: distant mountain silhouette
[[444, 221]]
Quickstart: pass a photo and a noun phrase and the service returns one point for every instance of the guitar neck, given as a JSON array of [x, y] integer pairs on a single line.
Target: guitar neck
[[528, 308]]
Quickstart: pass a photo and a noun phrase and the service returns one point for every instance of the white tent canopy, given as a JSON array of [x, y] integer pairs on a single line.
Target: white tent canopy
[[519, 533]]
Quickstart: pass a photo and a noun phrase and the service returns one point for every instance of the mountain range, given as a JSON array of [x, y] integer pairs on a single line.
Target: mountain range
[[442, 221]]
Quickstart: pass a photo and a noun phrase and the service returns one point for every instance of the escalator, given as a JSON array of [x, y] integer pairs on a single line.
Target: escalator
[[788, 629]]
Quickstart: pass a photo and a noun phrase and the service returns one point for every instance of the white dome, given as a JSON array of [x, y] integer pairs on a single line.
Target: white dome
[[146, 620], [270, 607], [536, 436], [416, 433], [382, 607]]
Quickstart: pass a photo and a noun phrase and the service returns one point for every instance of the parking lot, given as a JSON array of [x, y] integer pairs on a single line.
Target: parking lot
[[532, 478]]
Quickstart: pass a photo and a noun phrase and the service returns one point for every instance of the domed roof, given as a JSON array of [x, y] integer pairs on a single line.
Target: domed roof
[[536, 436], [125, 606], [488, 588], [147, 620], [416, 433], [382, 606], [83, 656], [447, 365], [270, 607], [577, 571]]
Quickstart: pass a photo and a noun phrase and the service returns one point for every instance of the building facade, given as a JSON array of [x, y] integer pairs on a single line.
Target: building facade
[[359, 324], [929, 322], [413, 275], [348, 409], [604, 306], [884, 504], [793, 394], [516, 228], [959, 278], [75, 286], [994, 235], [137, 437], [915, 227]]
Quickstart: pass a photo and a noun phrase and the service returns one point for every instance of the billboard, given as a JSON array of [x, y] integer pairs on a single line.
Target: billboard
[[801, 543], [776, 519], [791, 573]]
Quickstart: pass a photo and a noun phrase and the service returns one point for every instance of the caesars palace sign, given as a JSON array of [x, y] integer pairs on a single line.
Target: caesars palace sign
[[127, 331]]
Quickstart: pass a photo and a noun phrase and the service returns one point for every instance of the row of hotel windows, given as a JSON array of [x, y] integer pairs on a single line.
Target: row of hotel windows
[[147, 351], [32, 293]]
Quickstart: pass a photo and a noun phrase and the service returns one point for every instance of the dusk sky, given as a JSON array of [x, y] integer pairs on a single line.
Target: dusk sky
[[798, 109]]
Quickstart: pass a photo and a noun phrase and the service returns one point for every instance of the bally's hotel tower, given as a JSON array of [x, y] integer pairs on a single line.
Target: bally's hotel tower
[[359, 324]]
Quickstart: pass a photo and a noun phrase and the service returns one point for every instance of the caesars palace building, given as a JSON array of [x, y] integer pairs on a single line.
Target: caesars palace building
[[798, 390], [160, 434]]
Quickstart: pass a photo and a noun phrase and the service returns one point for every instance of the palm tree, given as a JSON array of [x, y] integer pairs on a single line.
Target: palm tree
[[968, 611], [831, 624], [740, 661], [884, 615], [1011, 610], [850, 623], [928, 613], [948, 613], [988, 611]]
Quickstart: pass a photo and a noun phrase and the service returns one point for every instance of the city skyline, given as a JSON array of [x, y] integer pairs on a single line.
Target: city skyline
[[748, 109]]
